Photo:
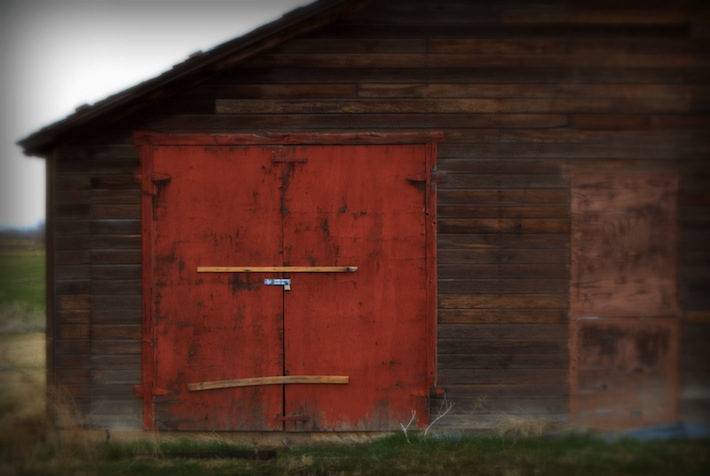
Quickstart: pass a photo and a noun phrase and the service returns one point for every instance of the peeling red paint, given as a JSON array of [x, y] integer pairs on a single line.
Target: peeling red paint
[[229, 206]]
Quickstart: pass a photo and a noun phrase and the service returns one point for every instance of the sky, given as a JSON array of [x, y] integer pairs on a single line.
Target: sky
[[56, 55]]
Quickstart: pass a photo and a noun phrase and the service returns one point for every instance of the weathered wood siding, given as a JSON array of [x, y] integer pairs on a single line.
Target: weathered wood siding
[[96, 328], [524, 92]]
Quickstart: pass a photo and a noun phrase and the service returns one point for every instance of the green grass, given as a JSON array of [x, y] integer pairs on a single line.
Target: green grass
[[394, 455], [22, 298]]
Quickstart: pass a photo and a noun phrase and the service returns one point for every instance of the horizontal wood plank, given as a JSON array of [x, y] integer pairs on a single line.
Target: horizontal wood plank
[[503, 270], [503, 211], [441, 60], [503, 286], [520, 197], [122, 302], [501, 225], [502, 316], [503, 332], [118, 316], [259, 381], [503, 301], [76, 331], [462, 347], [506, 391], [276, 269], [453, 106], [512, 408], [130, 361], [490, 46], [117, 332], [487, 241], [117, 287], [115, 347], [117, 271], [504, 256], [468, 74], [504, 181], [331, 122], [73, 316], [116, 376], [509, 376]]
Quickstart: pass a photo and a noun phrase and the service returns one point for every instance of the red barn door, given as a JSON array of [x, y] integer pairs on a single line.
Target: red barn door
[[221, 217], [218, 206]]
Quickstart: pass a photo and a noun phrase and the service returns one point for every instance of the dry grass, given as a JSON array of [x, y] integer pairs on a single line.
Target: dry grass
[[519, 427], [23, 426], [27, 436]]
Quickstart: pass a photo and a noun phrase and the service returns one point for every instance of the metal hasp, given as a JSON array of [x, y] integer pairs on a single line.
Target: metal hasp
[[286, 283]]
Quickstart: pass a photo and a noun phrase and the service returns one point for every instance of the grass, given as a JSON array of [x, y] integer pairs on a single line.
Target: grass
[[22, 298], [391, 455]]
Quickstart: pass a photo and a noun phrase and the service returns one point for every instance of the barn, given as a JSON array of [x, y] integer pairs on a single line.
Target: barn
[[375, 211]]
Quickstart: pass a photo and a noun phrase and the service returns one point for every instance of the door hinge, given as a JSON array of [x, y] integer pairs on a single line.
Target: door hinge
[[139, 391], [160, 178], [156, 179], [435, 177]]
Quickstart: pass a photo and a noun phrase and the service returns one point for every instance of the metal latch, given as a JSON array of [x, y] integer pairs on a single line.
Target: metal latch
[[286, 283]]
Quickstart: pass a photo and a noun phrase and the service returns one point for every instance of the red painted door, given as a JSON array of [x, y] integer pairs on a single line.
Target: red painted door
[[302, 206], [220, 205], [355, 206]]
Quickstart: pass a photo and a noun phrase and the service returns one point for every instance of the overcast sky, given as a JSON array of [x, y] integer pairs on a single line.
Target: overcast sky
[[58, 54]]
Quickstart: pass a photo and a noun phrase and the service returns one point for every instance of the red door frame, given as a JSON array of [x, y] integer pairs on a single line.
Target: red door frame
[[147, 140]]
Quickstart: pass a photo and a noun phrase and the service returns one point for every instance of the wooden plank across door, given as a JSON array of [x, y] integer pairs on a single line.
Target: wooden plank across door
[[276, 380], [276, 269]]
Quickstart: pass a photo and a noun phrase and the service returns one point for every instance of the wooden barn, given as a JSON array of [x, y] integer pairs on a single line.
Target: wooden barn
[[369, 210]]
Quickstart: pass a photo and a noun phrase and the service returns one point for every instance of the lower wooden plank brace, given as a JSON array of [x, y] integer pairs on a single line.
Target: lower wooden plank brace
[[280, 380]]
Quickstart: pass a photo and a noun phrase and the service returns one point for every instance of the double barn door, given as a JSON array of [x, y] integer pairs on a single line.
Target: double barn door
[[291, 286]]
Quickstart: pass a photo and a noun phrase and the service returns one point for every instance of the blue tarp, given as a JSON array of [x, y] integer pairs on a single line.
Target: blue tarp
[[665, 432]]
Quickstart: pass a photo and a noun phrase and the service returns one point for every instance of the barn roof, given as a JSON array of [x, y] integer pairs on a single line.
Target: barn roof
[[194, 69]]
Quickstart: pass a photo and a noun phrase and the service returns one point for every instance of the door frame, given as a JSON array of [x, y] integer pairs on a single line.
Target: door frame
[[146, 141]]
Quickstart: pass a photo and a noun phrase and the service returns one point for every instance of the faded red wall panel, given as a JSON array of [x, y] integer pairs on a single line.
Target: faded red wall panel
[[624, 313], [625, 372], [623, 245]]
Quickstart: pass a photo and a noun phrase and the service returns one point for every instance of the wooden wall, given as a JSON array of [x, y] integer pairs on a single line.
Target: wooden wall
[[525, 92], [97, 322]]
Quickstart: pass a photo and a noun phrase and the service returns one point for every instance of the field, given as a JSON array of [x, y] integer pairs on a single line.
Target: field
[[22, 287], [30, 443]]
